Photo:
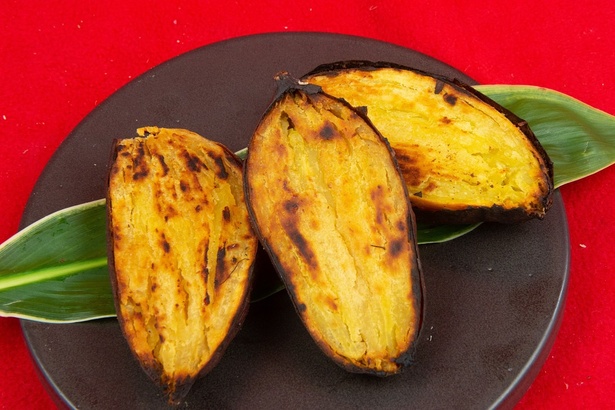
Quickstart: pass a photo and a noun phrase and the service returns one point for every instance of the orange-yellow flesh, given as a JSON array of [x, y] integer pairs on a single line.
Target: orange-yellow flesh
[[454, 149], [183, 247], [331, 205]]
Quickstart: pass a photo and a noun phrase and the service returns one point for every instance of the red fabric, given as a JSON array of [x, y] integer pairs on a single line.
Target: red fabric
[[58, 62]]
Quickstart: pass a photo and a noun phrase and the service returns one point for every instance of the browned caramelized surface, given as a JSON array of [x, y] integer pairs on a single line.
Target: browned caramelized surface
[[455, 150], [182, 249], [331, 206]]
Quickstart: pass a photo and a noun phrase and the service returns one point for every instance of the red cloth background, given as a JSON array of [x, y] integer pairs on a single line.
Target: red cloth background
[[59, 61]]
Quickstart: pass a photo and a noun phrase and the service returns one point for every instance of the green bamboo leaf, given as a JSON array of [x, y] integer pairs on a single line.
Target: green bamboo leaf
[[579, 139], [55, 270], [442, 233], [242, 153]]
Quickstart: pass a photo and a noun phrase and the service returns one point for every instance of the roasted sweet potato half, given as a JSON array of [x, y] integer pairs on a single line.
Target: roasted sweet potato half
[[330, 206], [181, 250], [464, 158]]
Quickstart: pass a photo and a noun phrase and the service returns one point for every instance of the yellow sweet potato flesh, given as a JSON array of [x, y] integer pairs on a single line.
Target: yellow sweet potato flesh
[[181, 249], [331, 208], [455, 150]]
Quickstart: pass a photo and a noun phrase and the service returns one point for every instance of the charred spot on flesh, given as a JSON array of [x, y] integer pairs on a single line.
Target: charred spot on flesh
[[141, 151], [183, 186], [142, 172], [396, 247], [137, 315], [220, 267], [170, 213], [450, 98], [205, 274], [221, 173], [193, 162], [327, 132], [376, 193], [412, 175], [406, 160], [303, 246], [139, 164], [377, 196], [331, 303], [205, 270], [164, 243], [430, 187], [226, 214], [163, 164], [291, 206]]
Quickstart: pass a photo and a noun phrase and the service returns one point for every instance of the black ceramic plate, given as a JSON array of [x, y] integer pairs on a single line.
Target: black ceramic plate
[[494, 298]]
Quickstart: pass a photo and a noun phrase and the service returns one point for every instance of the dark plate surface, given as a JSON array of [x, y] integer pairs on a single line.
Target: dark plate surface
[[494, 298]]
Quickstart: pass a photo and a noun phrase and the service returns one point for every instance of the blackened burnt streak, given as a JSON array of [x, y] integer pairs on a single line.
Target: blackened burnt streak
[[165, 167], [141, 150], [410, 166], [303, 246], [193, 162], [221, 171], [290, 224], [140, 166], [221, 271]]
